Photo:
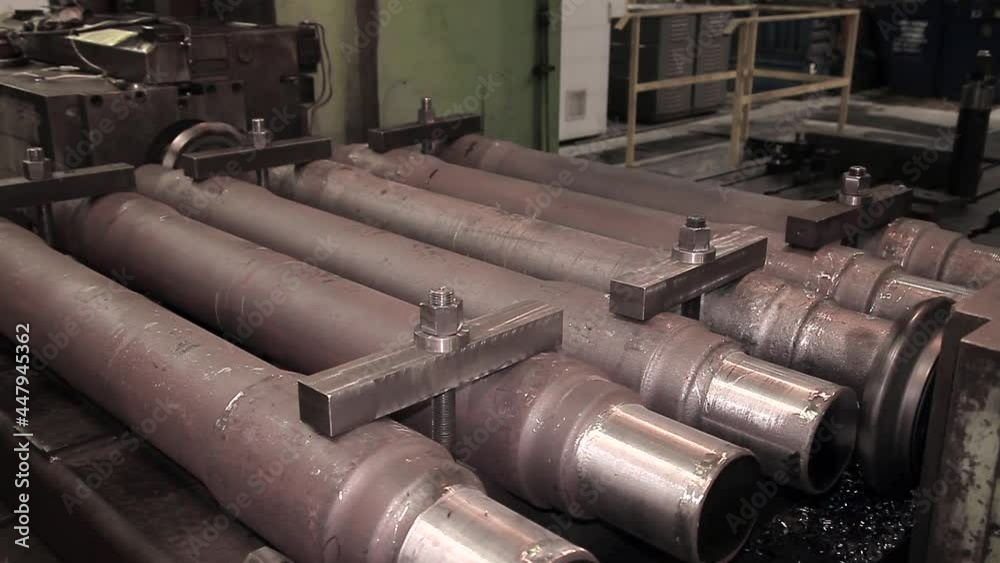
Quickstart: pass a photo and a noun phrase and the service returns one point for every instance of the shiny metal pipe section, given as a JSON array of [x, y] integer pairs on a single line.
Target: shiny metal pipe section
[[926, 250], [509, 424], [850, 278], [352, 499], [450, 530], [676, 195], [890, 365], [675, 374]]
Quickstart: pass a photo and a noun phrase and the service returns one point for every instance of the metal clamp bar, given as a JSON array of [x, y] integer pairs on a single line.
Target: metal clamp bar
[[645, 293], [71, 184], [827, 223], [234, 161], [343, 398], [440, 130]]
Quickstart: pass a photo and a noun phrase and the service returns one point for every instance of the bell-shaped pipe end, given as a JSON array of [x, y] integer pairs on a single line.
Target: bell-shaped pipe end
[[803, 429], [669, 484]]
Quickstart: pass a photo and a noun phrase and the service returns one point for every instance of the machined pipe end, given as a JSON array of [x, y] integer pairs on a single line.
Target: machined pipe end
[[803, 429], [897, 402], [466, 525], [669, 484]]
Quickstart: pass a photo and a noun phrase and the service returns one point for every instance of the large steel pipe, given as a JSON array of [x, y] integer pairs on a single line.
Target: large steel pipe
[[656, 191], [943, 255], [854, 349], [372, 495], [849, 277], [924, 249], [681, 482], [689, 373]]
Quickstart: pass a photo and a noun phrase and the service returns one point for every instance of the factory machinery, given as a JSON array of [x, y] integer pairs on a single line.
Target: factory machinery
[[230, 341]]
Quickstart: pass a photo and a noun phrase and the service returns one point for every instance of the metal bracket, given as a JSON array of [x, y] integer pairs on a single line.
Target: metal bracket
[[645, 293], [440, 130], [346, 397], [234, 161], [828, 223], [961, 469], [72, 184]]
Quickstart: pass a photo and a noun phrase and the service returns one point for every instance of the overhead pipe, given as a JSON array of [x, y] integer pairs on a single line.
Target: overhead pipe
[[848, 276], [680, 482], [375, 494], [779, 323], [688, 373], [951, 255]]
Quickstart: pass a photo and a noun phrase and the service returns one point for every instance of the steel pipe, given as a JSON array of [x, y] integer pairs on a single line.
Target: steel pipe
[[230, 419], [781, 427], [848, 276], [944, 255], [656, 191], [681, 482], [924, 249], [779, 323]]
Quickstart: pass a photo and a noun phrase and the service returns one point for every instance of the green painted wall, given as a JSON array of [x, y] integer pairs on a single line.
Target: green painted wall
[[339, 19], [469, 56]]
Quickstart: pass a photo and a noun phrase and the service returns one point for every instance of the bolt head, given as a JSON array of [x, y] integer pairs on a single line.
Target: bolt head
[[445, 320], [695, 239], [36, 170], [856, 181]]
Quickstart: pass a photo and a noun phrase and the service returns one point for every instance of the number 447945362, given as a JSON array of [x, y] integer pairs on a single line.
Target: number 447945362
[[22, 353]]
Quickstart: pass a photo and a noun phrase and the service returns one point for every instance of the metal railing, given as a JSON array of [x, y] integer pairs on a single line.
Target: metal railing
[[745, 71]]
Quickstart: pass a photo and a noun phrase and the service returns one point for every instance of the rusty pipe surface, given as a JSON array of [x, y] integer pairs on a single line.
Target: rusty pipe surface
[[943, 255], [231, 420], [711, 394], [846, 275], [925, 249], [798, 330], [310, 320]]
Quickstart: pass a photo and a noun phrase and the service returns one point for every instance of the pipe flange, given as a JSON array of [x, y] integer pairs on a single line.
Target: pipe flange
[[199, 137], [896, 401]]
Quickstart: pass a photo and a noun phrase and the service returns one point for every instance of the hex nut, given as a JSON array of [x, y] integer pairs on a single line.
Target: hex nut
[[37, 170], [695, 239], [856, 181], [444, 320]]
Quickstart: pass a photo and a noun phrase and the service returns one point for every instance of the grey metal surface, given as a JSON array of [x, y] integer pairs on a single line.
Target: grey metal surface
[[71, 184], [364, 390], [960, 514], [663, 286], [924, 249], [778, 322], [672, 469], [827, 223], [846, 275], [127, 342], [647, 359], [235, 161], [230, 73], [439, 130]]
